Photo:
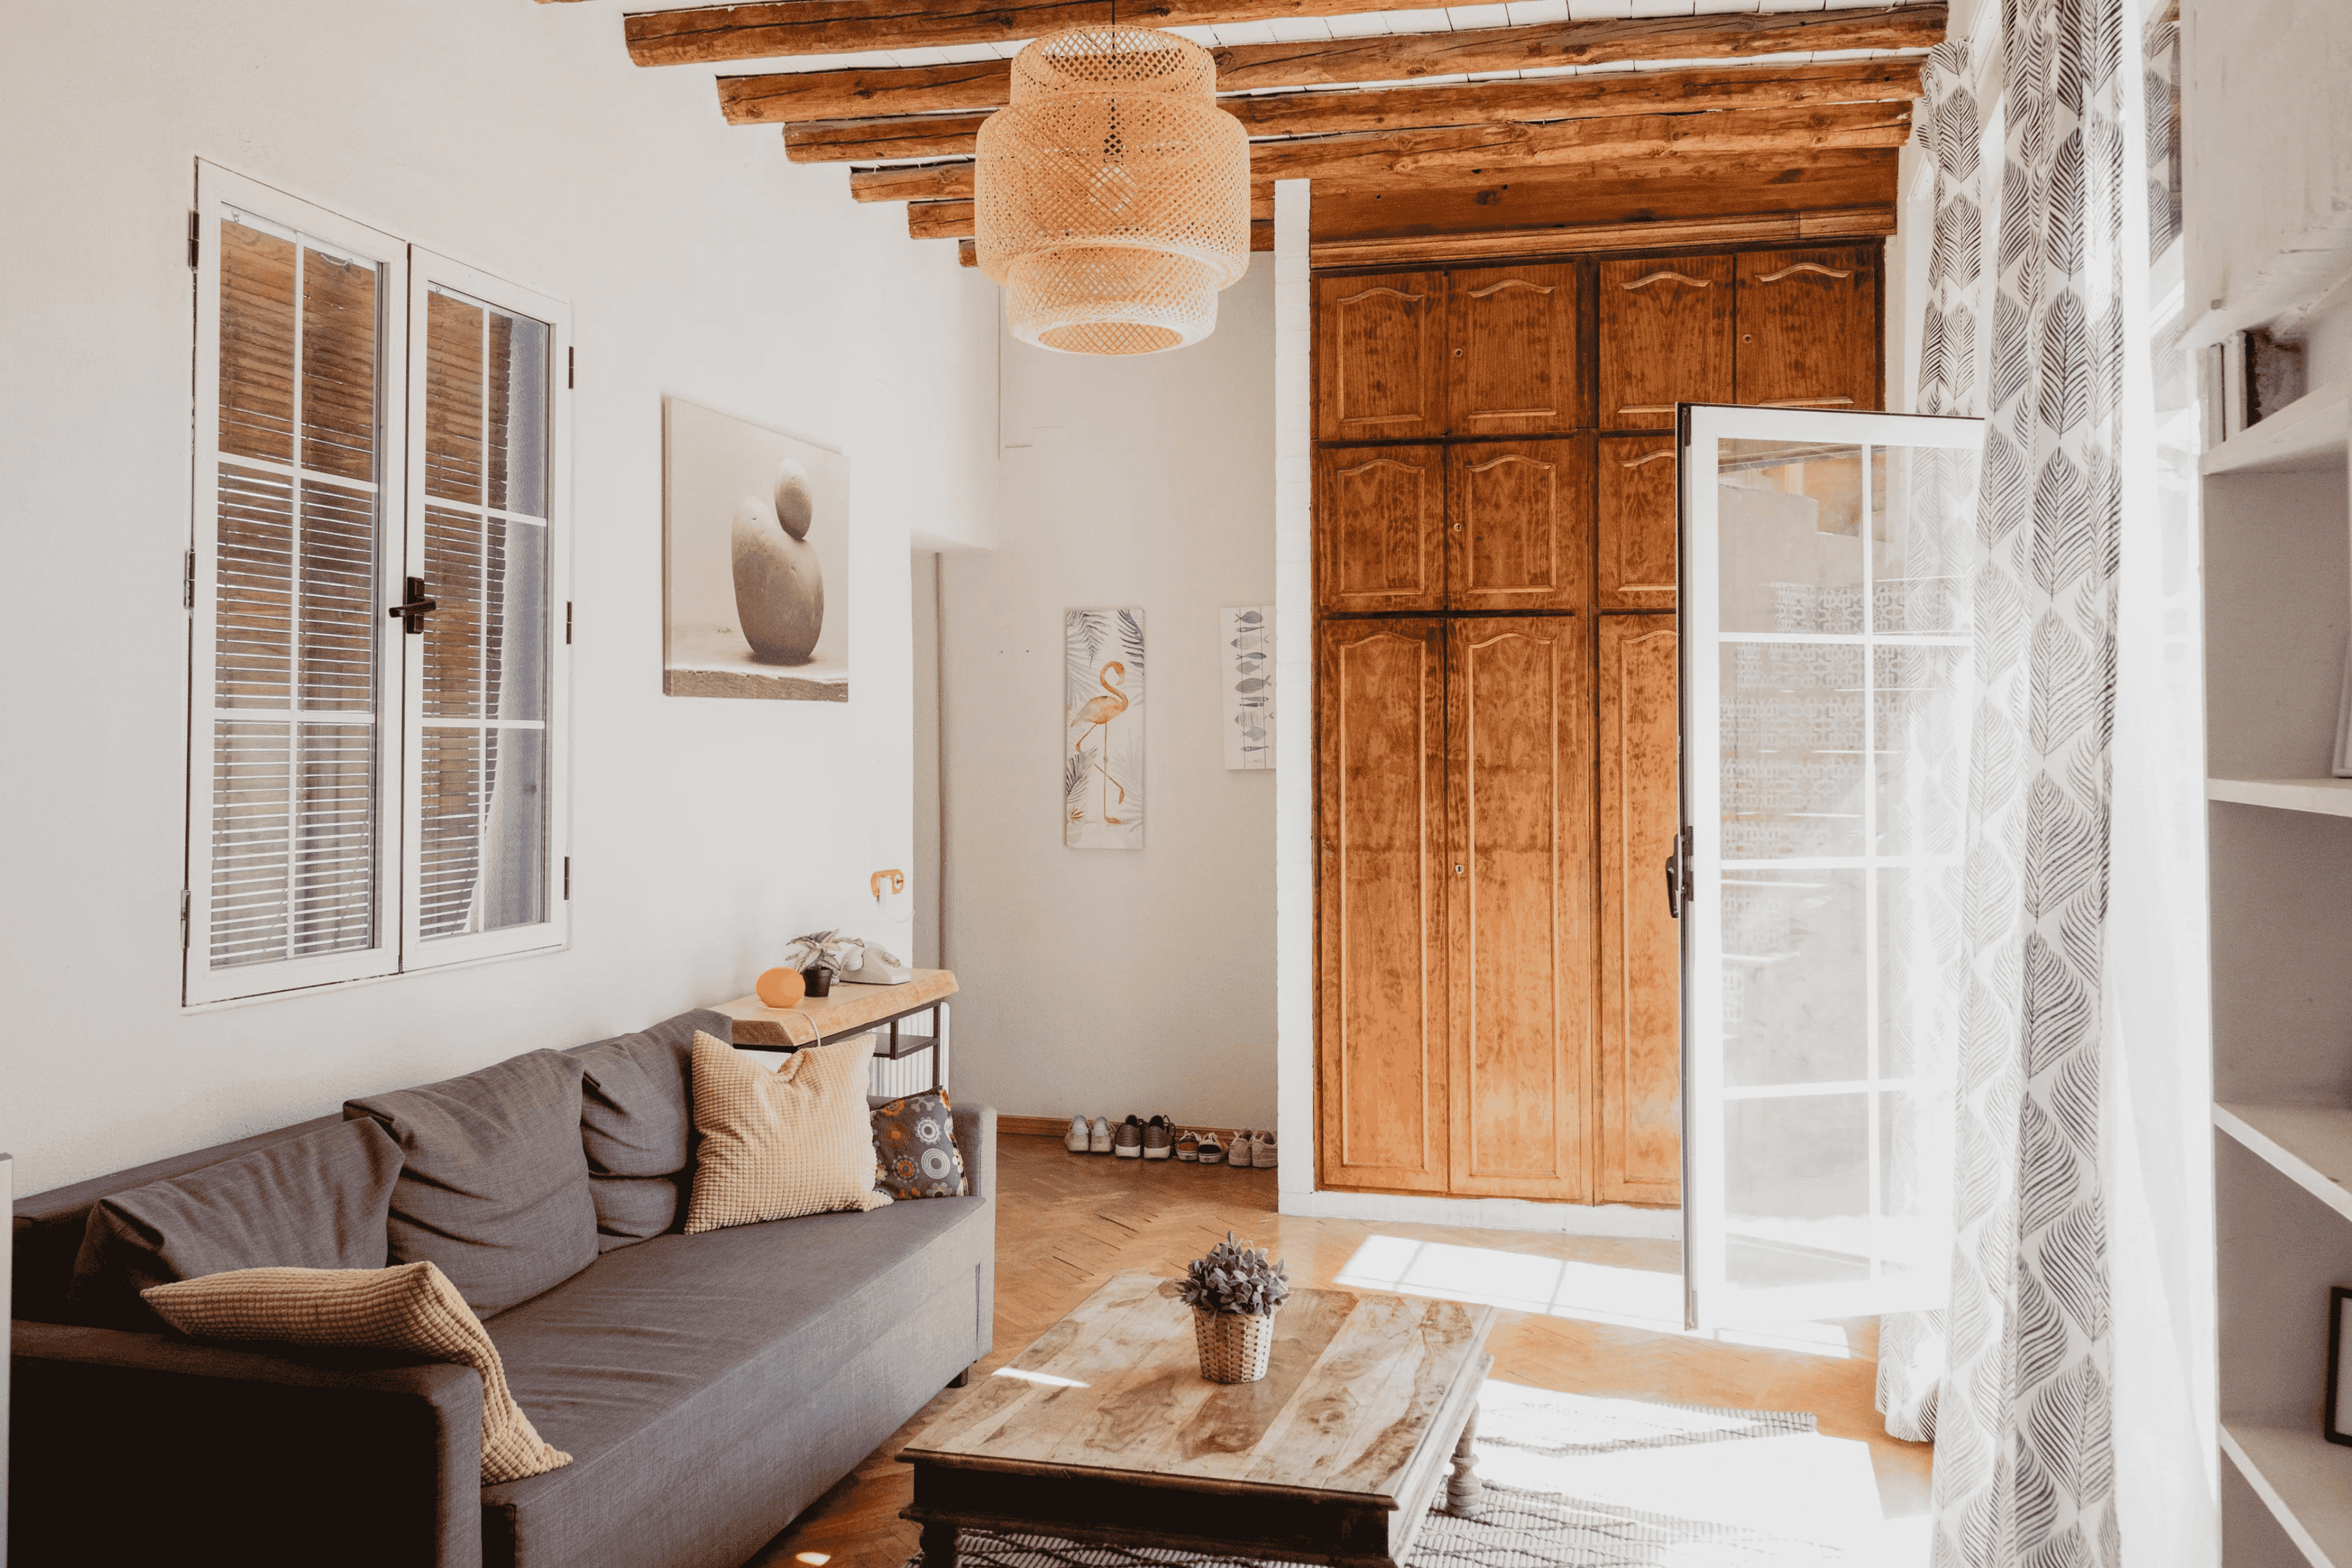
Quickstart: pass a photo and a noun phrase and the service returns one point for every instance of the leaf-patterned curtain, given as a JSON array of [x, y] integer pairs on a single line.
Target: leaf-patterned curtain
[[2021, 1415]]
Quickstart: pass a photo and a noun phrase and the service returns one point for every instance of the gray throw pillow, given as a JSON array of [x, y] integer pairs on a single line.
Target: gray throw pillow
[[494, 1188], [319, 1201], [635, 1124]]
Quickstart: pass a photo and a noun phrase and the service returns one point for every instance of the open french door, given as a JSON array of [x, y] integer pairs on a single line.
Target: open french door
[[1826, 661]]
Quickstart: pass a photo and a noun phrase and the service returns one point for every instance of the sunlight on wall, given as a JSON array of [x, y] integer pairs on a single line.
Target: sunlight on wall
[[1561, 1288]]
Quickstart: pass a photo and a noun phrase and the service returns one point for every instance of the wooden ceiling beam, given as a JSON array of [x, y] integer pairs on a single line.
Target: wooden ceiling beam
[[1762, 228], [792, 96], [1412, 107], [1646, 146], [705, 34]]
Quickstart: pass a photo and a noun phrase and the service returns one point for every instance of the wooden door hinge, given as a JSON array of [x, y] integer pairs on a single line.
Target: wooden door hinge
[[195, 239], [567, 623], [184, 920], [567, 878]]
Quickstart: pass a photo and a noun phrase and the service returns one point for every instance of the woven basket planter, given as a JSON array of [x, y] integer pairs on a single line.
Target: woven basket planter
[[1234, 1345]]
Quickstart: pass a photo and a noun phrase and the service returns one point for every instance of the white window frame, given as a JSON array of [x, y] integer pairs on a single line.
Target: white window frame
[[406, 271], [426, 271]]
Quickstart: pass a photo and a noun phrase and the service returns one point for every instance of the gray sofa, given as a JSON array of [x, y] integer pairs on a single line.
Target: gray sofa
[[709, 1387]]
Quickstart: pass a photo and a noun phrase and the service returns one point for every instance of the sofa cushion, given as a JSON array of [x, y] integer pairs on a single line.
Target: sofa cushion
[[634, 1115], [411, 1307], [49, 1226], [914, 1152], [685, 1374], [319, 1201], [631, 1208], [495, 1190], [780, 1143]]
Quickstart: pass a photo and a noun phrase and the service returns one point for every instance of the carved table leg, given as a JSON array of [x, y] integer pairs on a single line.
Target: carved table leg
[[939, 1546], [1462, 1488]]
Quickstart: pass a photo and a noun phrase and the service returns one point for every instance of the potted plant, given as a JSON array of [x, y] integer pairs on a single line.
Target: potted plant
[[1235, 1293], [821, 955]]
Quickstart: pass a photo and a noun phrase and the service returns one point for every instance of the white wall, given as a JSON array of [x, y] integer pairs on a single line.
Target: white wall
[[1101, 980], [698, 261]]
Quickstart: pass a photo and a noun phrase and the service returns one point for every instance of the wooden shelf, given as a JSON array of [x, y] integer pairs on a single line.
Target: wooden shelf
[[2304, 1480], [2307, 434], [2311, 1145], [2329, 797]]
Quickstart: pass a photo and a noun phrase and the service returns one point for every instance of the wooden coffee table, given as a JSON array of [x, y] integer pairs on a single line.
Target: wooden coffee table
[[1104, 1430]]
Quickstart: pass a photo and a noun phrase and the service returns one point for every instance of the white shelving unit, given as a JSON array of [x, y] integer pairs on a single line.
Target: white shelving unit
[[2304, 1480], [2329, 797], [2277, 514]]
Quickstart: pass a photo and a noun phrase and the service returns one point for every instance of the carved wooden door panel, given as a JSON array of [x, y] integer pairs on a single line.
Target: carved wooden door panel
[[1513, 368], [1379, 357], [1383, 1075], [1634, 521], [1638, 1059], [1519, 917], [1517, 536], [1665, 338], [1809, 329], [1379, 529]]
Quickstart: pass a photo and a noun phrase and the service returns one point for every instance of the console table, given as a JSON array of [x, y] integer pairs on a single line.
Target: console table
[[886, 1011]]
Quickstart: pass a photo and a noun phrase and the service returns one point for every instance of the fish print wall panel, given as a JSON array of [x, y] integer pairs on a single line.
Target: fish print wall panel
[[1245, 644], [1102, 734]]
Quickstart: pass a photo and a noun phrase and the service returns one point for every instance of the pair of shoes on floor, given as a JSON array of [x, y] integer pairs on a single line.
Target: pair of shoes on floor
[[1088, 1138], [1137, 1139], [1210, 1150], [1252, 1150]]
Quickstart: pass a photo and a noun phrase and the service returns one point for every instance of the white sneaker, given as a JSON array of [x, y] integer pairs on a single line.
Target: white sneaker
[[1266, 1152], [1078, 1138], [1240, 1153], [1098, 1136]]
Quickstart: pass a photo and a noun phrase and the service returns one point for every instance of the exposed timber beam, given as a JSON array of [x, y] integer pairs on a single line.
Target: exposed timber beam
[[793, 96], [968, 249], [1647, 146], [1766, 228], [939, 220], [704, 33], [1412, 108]]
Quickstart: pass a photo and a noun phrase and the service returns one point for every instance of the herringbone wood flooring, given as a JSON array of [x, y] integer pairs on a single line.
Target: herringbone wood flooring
[[1066, 1222]]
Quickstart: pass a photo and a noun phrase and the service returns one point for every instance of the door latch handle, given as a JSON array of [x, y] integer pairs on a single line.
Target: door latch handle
[[412, 614], [1678, 875]]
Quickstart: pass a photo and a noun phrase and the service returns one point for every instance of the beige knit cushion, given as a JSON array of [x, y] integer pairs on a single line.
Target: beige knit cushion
[[410, 1307], [775, 1145]]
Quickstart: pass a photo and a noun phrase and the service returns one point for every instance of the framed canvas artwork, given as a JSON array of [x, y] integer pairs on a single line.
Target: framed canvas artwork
[[755, 561], [1245, 660], [1102, 734]]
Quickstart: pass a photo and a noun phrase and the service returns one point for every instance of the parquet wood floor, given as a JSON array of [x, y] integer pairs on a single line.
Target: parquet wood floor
[[1066, 1222]]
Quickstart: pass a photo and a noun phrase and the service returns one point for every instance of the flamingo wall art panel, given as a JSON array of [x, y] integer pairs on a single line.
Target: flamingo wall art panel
[[1102, 736], [756, 563], [1247, 651]]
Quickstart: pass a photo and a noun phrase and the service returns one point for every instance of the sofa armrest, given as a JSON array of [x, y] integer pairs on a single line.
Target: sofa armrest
[[125, 1446], [975, 1135]]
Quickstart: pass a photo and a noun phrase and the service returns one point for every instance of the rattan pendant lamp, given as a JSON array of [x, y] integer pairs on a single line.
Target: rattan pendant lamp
[[1113, 195]]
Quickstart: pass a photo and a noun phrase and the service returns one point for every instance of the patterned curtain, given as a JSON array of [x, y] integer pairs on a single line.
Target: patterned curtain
[[2024, 1463]]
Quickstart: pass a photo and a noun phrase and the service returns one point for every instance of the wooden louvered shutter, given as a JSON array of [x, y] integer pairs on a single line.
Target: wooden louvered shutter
[[297, 519]]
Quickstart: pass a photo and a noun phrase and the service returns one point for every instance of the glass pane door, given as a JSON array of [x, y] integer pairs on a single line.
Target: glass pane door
[[1825, 669]]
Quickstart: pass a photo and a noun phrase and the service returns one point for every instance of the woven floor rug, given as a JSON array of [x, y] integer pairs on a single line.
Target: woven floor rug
[[1572, 1481]]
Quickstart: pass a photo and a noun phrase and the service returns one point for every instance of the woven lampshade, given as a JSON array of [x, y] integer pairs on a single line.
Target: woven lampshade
[[1113, 195]]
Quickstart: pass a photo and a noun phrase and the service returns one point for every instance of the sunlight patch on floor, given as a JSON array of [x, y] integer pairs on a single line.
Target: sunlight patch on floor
[[1561, 1288], [1697, 1466]]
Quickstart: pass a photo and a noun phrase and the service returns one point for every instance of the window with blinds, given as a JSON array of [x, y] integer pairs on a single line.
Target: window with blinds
[[378, 434]]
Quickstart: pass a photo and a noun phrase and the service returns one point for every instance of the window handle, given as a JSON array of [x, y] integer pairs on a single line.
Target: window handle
[[1678, 874], [413, 612]]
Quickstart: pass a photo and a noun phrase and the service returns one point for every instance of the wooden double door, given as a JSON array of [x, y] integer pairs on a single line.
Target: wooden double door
[[1466, 1048]]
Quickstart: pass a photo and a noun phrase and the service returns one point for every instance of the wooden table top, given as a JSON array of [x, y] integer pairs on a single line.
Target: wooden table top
[[1115, 1387], [848, 1010]]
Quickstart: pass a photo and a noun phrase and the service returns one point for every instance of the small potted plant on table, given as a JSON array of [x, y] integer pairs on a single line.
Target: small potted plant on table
[[1235, 1293]]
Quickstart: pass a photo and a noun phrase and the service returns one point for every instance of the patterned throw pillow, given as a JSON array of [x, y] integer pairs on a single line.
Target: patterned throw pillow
[[780, 1143], [409, 1307], [914, 1152]]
